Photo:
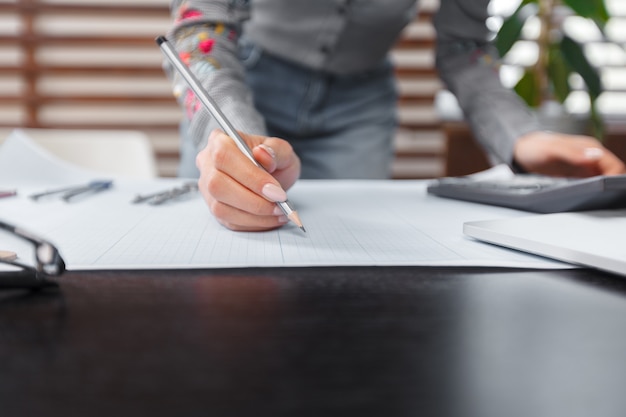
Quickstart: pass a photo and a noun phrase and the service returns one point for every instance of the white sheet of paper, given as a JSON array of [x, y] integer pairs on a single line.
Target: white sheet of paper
[[349, 223]]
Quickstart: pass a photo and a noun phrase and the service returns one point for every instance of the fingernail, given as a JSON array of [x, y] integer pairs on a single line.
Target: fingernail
[[283, 219], [278, 211], [267, 149], [593, 153], [274, 192]]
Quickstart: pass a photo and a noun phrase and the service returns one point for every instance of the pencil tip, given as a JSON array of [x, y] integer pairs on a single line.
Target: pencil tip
[[293, 216]]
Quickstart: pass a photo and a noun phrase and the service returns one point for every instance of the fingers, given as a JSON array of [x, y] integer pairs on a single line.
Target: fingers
[[586, 156], [277, 157], [236, 206], [240, 194], [609, 164], [566, 155], [575, 156]]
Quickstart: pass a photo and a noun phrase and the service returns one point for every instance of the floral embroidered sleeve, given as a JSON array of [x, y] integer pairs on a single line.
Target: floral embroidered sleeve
[[205, 34]]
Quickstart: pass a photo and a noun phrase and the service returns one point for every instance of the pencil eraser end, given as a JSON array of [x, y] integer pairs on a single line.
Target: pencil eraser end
[[161, 39]]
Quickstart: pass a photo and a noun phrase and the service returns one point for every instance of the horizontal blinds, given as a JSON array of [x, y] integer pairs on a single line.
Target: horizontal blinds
[[94, 65]]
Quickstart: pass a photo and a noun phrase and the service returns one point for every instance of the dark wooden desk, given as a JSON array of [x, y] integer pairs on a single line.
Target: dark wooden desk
[[317, 342]]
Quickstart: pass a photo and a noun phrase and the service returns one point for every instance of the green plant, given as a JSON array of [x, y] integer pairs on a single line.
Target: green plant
[[559, 55]]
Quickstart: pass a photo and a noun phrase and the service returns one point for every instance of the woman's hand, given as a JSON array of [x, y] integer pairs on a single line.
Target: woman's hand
[[241, 195], [565, 155]]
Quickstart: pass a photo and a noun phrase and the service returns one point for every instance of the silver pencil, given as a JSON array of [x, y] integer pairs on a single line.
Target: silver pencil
[[215, 111]]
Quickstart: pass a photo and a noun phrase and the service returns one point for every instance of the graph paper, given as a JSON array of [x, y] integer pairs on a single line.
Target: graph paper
[[349, 223]]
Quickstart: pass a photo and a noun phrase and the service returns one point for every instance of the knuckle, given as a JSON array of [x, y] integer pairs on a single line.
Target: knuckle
[[213, 184], [220, 157], [261, 207], [228, 225], [200, 158], [218, 209]]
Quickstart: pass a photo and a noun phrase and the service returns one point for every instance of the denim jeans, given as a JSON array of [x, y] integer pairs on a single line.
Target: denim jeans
[[341, 126]]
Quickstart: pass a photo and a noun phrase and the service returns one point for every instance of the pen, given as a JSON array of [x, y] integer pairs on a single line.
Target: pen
[[161, 197], [71, 192], [211, 106], [92, 187]]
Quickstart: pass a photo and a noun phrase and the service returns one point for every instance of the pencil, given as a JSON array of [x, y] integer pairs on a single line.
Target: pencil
[[215, 111]]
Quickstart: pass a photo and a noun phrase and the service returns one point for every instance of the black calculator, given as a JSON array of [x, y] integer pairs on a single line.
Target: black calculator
[[539, 194]]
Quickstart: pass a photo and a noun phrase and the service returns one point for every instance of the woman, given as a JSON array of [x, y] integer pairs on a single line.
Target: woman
[[311, 87]]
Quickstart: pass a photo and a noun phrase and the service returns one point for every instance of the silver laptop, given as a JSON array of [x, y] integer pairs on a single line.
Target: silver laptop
[[594, 239]]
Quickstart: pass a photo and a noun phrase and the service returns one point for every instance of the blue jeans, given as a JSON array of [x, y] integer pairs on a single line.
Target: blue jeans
[[341, 126]]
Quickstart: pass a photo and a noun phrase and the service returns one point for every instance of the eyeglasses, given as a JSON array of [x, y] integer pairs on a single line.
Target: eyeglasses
[[27, 260]]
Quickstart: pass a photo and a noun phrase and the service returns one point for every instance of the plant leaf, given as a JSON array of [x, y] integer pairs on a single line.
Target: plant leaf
[[527, 89], [597, 123], [576, 58], [559, 72], [511, 29], [512, 26], [592, 9]]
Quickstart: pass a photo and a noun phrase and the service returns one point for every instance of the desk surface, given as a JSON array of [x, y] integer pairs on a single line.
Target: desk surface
[[399, 341]]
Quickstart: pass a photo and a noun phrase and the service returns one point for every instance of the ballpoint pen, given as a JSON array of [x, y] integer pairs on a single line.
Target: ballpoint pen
[[221, 119]]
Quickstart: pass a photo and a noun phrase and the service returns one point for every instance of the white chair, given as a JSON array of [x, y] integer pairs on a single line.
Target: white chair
[[121, 152]]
